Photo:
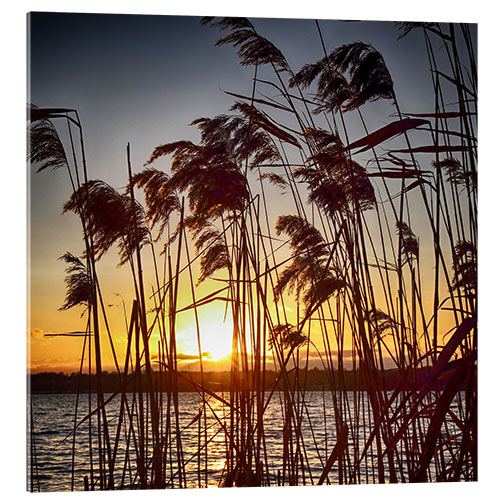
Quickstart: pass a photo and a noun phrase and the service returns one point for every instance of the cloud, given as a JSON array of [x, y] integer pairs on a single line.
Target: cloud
[[182, 356], [36, 332], [191, 357]]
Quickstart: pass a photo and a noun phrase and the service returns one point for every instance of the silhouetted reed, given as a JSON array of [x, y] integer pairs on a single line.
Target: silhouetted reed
[[352, 274]]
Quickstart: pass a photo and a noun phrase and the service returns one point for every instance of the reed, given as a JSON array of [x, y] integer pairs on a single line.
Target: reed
[[351, 277]]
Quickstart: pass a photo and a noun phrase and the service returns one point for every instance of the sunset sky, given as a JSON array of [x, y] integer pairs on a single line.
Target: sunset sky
[[135, 100], [143, 79]]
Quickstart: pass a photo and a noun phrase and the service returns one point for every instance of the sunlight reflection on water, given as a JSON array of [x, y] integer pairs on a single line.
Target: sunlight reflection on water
[[53, 416]]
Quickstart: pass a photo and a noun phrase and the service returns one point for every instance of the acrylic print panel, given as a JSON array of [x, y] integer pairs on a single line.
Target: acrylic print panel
[[253, 252]]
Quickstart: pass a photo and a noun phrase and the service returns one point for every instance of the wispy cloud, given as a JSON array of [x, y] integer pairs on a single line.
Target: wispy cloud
[[36, 332], [182, 356]]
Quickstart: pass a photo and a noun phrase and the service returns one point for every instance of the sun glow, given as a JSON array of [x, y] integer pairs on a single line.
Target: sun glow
[[216, 339]]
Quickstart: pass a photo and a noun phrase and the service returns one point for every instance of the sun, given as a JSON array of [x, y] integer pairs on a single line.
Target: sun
[[216, 339]]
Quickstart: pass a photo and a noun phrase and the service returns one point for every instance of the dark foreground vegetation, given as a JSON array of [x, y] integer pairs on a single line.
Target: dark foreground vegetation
[[349, 259]]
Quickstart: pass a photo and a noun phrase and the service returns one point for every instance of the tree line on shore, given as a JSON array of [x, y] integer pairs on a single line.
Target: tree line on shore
[[219, 381]]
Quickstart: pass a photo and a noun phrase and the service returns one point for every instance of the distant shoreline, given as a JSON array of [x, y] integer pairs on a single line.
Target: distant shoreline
[[217, 381]]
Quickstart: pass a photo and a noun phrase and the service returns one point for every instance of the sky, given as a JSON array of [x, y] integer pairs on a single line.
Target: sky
[[14, 202], [141, 80]]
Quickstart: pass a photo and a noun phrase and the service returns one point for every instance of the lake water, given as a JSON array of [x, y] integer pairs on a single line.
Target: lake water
[[53, 416]]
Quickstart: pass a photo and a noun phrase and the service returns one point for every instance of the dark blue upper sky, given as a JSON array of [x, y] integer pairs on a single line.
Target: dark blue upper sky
[[142, 79]]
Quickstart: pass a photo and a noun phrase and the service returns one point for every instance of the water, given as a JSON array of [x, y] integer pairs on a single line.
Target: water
[[53, 416]]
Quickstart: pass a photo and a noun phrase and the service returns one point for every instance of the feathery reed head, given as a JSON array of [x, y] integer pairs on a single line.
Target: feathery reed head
[[111, 217], [78, 283]]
